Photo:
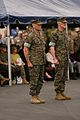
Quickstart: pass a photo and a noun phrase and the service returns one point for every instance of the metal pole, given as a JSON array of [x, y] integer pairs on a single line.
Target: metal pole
[[66, 28], [9, 58], [68, 51]]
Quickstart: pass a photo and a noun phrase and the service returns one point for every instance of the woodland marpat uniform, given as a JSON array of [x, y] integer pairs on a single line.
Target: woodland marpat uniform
[[36, 45], [60, 41]]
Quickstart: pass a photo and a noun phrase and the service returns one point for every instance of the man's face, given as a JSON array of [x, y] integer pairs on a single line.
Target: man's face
[[37, 26], [62, 25]]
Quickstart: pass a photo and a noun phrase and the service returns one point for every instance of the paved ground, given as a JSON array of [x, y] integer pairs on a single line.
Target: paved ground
[[15, 103]]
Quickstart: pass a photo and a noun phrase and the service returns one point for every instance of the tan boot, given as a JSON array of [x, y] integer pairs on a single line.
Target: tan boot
[[59, 97], [34, 100], [40, 99], [25, 81], [66, 97]]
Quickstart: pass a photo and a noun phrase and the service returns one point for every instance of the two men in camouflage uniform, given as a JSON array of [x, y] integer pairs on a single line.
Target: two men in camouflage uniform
[[60, 42], [34, 49]]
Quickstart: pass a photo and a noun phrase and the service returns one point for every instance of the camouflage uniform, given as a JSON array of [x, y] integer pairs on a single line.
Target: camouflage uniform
[[76, 44], [36, 45], [71, 45], [60, 41]]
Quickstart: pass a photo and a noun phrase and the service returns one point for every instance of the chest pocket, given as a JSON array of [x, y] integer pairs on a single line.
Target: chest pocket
[[38, 42]]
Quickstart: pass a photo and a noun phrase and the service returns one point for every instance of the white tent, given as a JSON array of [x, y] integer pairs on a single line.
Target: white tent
[[38, 8], [25, 10]]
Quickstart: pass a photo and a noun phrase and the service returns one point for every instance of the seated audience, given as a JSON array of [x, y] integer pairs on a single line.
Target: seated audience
[[18, 63], [50, 66]]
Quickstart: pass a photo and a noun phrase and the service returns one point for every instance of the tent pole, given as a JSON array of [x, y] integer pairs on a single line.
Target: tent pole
[[68, 51], [9, 58]]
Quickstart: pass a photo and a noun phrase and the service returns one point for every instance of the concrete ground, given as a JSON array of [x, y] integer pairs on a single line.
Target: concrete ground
[[15, 103]]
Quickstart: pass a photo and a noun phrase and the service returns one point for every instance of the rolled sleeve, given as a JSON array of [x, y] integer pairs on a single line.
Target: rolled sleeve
[[28, 41], [52, 44], [27, 44]]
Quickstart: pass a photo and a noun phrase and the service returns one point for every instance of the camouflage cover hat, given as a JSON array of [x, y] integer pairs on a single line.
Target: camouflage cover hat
[[38, 21], [61, 19]]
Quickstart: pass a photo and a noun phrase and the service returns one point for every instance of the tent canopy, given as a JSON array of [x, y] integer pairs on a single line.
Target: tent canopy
[[26, 10]]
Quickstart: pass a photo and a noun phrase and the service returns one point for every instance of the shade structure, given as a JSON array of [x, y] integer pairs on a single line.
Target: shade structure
[[26, 10]]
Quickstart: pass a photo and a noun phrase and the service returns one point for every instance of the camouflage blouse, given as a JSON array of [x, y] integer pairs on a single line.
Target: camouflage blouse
[[76, 44], [60, 41], [36, 45]]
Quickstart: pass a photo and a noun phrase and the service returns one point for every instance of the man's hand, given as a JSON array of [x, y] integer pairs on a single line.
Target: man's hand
[[29, 64]]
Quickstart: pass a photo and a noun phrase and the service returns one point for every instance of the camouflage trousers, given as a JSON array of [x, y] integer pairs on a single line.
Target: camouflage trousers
[[36, 79], [61, 76]]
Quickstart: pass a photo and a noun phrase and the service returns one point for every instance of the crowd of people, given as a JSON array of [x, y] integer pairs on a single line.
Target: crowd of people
[[35, 58]]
